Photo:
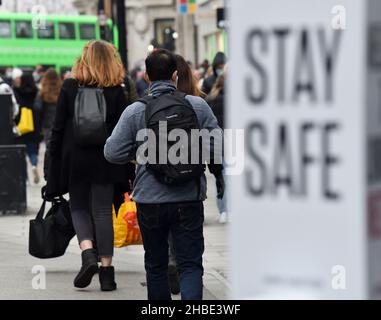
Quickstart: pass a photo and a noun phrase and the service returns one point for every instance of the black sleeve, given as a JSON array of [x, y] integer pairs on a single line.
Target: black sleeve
[[60, 120], [121, 104], [206, 87]]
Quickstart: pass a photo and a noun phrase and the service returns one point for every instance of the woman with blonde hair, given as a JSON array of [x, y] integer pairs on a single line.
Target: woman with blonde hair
[[82, 169]]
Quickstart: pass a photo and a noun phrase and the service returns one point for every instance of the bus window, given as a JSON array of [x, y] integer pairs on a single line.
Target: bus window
[[87, 31], [109, 34], [24, 29], [47, 32], [5, 29], [66, 30]]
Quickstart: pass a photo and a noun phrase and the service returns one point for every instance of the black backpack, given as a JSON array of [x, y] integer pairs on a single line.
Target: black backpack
[[89, 122], [179, 114]]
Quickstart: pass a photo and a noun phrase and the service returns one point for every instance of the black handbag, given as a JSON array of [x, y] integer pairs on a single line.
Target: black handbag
[[49, 236]]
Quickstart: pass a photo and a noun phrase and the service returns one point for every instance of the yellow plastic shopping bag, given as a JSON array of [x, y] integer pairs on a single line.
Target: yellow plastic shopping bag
[[126, 227], [26, 124]]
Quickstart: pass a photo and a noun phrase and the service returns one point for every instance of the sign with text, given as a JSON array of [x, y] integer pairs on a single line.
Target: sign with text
[[299, 74]]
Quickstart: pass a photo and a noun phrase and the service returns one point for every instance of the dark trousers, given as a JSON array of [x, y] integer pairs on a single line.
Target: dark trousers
[[185, 223], [91, 210]]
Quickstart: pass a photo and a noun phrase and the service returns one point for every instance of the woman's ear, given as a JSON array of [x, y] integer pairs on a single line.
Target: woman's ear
[[175, 76], [146, 77]]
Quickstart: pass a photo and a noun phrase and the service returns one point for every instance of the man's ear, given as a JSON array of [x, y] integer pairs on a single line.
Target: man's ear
[[146, 77], [174, 76]]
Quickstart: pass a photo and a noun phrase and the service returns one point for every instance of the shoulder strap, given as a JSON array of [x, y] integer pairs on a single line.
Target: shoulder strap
[[180, 94], [146, 99]]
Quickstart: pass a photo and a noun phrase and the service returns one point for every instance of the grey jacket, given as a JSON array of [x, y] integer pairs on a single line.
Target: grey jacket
[[121, 148]]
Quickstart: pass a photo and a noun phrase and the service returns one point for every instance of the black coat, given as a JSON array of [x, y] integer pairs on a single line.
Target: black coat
[[71, 163], [25, 97], [217, 104]]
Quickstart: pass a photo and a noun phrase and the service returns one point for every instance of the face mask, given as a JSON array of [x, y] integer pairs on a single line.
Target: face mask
[[219, 72], [36, 76]]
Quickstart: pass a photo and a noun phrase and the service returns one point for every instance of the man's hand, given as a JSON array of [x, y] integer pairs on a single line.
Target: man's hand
[[220, 184]]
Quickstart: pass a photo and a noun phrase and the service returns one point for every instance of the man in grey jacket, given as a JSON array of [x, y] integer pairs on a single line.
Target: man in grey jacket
[[163, 208]]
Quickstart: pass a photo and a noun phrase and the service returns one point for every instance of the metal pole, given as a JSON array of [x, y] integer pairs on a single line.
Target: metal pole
[[122, 28]]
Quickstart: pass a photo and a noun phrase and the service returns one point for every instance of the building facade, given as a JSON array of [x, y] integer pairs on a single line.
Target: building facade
[[210, 39], [149, 22], [197, 35], [27, 6]]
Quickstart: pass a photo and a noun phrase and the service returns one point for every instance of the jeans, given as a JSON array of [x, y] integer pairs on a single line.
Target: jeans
[[32, 152], [221, 203], [185, 223], [91, 210]]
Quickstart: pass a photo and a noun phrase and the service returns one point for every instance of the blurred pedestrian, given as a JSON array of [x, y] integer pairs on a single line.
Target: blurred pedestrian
[[67, 75], [186, 82], [46, 101], [6, 89], [82, 170], [38, 73], [142, 85], [218, 68], [26, 91], [165, 208], [216, 100], [45, 105], [8, 76], [130, 90]]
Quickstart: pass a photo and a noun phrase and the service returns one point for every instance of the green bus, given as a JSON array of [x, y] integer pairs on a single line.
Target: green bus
[[57, 44]]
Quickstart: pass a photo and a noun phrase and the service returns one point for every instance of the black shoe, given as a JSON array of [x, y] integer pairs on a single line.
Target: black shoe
[[173, 279], [107, 278], [88, 270]]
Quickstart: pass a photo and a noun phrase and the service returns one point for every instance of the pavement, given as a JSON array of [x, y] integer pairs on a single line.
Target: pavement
[[18, 269]]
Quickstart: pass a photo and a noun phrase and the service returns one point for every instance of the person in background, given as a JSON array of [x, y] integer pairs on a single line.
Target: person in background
[[6, 89], [186, 83], [8, 76], [46, 101], [216, 100], [142, 85], [26, 91], [82, 170], [67, 75], [218, 68], [38, 73], [130, 90], [16, 77]]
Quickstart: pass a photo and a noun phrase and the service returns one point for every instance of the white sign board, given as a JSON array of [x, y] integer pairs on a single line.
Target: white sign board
[[300, 82]]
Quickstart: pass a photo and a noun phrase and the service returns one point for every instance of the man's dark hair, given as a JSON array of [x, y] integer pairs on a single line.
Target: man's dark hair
[[160, 65]]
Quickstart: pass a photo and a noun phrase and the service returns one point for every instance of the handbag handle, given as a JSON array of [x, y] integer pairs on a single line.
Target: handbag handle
[[40, 214], [55, 199]]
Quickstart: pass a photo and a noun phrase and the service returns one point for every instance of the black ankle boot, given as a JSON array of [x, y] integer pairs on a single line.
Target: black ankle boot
[[88, 270], [107, 278]]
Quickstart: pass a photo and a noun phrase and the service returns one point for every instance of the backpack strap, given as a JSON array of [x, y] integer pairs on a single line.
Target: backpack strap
[[146, 99], [180, 94]]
